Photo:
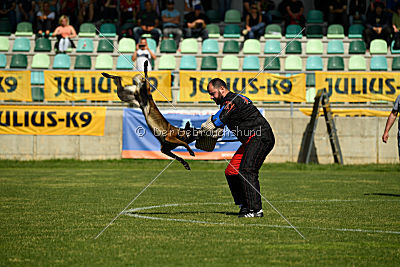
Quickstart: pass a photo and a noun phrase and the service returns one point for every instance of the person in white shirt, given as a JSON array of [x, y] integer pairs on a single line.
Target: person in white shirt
[[142, 54]]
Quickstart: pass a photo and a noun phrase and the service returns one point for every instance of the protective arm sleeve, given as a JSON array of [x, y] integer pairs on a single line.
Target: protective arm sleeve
[[222, 116]]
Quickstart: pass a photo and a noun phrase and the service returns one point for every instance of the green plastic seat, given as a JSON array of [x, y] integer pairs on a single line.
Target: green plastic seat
[[210, 46], [189, 46], [335, 63], [4, 44], [357, 62], [213, 16], [83, 62], [314, 63], [356, 31], [230, 62], [37, 77], [231, 46], [232, 31], [19, 61], [104, 62], [314, 46], [42, 45], [379, 63], [378, 46], [213, 31], [62, 61], [294, 31], [335, 47], [85, 45], [310, 79], [87, 30], [5, 28], [127, 45], [293, 62], [105, 46], [272, 47], [24, 29], [315, 16], [37, 94], [232, 16], [310, 95], [335, 31], [167, 62], [394, 51], [314, 31], [188, 62], [396, 63], [293, 47], [209, 63], [251, 46], [168, 46], [357, 47], [3, 61], [273, 31], [21, 44], [124, 62], [151, 43], [108, 30], [41, 61], [251, 63], [272, 63]]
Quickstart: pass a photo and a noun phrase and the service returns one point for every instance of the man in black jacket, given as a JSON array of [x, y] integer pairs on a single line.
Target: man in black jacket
[[255, 134], [378, 25]]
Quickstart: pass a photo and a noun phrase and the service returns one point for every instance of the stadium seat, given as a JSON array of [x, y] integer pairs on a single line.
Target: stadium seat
[[232, 31], [294, 31], [3, 61], [272, 47], [394, 51], [83, 62], [314, 31], [314, 47], [4, 44], [167, 62], [105, 45], [151, 43], [251, 46], [127, 45], [210, 46], [21, 44], [168, 46], [293, 47], [41, 61], [37, 94], [272, 63], [231, 46], [209, 63], [230, 62], [188, 62], [310, 95], [87, 30], [85, 45], [213, 30], [189, 46], [378, 46], [251, 63], [19, 61], [5, 28], [273, 31], [37, 77], [314, 63], [293, 62], [396, 63], [62, 61], [232, 16], [335, 31], [357, 47], [124, 62], [104, 62], [315, 16], [357, 62], [42, 45], [335, 63], [356, 31], [335, 47], [213, 16], [310, 79], [24, 29], [378, 63], [108, 30]]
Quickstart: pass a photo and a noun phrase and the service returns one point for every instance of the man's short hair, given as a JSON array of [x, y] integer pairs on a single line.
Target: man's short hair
[[217, 83]]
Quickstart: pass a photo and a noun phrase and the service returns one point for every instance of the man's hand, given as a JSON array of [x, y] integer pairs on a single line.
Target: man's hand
[[385, 137]]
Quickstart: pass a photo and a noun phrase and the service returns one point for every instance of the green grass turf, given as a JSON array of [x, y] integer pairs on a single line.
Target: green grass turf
[[52, 210]]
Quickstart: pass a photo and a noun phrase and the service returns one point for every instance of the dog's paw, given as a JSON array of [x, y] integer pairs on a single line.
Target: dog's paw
[[106, 75], [192, 154], [186, 165]]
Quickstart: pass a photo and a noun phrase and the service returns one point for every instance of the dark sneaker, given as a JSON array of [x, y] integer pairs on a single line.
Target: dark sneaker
[[243, 210], [251, 214]]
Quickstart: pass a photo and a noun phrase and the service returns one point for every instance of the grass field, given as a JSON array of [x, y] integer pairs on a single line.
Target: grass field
[[52, 210]]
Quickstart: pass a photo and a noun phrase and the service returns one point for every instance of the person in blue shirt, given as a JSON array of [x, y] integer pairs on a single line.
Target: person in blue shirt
[[171, 19], [390, 121]]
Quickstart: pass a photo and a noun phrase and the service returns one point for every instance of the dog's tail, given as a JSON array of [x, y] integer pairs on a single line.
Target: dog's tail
[[109, 76]]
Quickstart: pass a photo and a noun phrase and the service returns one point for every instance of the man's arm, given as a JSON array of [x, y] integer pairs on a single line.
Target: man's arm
[[389, 123], [222, 116]]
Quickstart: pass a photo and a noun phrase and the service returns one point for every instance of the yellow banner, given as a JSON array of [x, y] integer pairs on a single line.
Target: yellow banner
[[91, 85], [52, 120], [15, 85], [359, 86], [350, 112], [264, 87]]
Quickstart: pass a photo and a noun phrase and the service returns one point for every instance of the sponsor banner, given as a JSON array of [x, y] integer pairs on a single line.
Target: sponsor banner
[[359, 86], [52, 120], [350, 112], [91, 85], [139, 142], [15, 85], [262, 87]]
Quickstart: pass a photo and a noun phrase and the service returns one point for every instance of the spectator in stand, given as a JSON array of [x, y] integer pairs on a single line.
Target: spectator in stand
[[266, 6], [26, 10], [294, 13], [195, 24], [396, 28], [110, 11], [254, 24], [64, 33], [45, 18], [86, 11], [129, 10], [189, 6], [7, 10], [338, 13], [154, 4], [69, 8], [357, 9], [247, 7], [377, 25], [171, 19], [148, 23], [142, 54]]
